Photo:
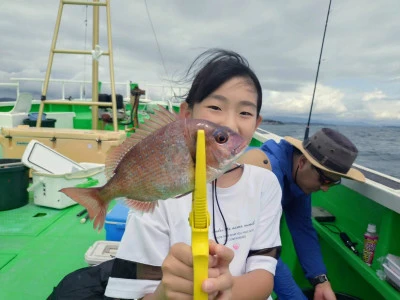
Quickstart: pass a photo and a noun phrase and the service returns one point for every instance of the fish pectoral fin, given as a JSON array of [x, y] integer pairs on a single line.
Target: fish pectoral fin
[[181, 195], [145, 206]]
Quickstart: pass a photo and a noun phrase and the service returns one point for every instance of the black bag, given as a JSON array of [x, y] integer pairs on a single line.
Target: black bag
[[84, 284], [107, 98]]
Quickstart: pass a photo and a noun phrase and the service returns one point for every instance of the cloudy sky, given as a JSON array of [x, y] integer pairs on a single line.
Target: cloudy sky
[[359, 77]]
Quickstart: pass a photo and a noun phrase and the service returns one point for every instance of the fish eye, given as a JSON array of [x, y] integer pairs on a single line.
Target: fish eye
[[221, 137]]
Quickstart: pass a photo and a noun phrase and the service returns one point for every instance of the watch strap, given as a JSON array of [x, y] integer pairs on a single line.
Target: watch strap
[[318, 279]]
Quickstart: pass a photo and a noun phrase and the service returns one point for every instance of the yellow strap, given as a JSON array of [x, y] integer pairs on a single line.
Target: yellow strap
[[199, 220]]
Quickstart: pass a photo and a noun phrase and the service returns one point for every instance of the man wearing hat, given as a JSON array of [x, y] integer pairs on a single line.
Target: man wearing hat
[[302, 168]]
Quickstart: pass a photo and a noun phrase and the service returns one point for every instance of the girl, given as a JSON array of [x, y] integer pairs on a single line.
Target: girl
[[154, 260]]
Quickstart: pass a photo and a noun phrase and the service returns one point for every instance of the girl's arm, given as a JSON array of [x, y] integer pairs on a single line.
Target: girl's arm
[[257, 284]]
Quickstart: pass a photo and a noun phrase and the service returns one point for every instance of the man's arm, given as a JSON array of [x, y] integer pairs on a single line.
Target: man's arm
[[305, 239], [307, 247]]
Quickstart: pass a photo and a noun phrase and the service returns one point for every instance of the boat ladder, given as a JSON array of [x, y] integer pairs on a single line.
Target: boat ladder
[[96, 4]]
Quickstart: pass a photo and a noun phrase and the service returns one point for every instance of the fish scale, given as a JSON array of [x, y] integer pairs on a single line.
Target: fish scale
[[158, 162]]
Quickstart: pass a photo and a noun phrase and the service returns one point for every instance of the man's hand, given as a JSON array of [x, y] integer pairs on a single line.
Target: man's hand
[[323, 291]]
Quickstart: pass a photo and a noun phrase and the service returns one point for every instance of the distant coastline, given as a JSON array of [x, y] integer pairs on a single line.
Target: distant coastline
[[297, 121], [272, 122], [6, 99]]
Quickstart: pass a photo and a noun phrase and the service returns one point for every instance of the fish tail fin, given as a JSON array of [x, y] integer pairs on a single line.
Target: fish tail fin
[[91, 199]]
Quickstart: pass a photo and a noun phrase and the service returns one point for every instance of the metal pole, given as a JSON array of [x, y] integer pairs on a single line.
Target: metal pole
[[111, 62], [95, 66], [49, 64]]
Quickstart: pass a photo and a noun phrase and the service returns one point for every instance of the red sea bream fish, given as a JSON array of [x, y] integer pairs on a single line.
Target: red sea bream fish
[[157, 162]]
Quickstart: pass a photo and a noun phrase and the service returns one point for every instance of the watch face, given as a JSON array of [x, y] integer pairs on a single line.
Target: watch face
[[319, 279], [323, 278]]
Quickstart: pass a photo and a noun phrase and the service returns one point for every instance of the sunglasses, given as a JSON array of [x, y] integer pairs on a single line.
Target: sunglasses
[[325, 180]]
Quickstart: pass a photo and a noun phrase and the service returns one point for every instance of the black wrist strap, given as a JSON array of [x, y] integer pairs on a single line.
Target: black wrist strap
[[318, 279]]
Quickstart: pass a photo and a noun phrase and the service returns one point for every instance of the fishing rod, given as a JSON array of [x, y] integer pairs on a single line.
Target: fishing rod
[[316, 77]]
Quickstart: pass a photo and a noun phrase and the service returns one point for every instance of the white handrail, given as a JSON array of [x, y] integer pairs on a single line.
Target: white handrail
[[158, 91]]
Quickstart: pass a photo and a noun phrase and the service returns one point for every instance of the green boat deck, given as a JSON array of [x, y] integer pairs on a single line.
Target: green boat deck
[[348, 274], [39, 246]]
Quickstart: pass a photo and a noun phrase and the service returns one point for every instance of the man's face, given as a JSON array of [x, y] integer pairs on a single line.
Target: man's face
[[312, 179]]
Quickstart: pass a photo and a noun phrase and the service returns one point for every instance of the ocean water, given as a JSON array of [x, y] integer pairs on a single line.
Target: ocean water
[[379, 147]]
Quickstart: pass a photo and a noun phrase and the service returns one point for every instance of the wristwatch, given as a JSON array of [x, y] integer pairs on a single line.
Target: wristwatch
[[319, 279]]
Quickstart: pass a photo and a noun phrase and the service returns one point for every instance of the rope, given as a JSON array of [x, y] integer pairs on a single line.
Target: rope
[[158, 47]]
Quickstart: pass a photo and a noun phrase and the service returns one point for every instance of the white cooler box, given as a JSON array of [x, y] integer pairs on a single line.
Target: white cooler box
[[46, 187]]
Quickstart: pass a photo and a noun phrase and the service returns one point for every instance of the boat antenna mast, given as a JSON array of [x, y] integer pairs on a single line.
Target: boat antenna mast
[[316, 77]]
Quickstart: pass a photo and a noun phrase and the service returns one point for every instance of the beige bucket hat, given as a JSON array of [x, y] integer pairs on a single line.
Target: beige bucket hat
[[330, 151]]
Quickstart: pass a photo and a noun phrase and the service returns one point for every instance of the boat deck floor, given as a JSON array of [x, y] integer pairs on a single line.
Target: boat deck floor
[[39, 246]]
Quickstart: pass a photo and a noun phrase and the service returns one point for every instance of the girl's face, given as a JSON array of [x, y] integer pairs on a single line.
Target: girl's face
[[233, 104]]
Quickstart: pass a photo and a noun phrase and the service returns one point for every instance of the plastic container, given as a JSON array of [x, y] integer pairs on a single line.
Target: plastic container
[[46, 187], [115, 222], [14, 180], [370, 241], [34, 116], [392, 277], [393, 262], [43, 159], [101, 251]]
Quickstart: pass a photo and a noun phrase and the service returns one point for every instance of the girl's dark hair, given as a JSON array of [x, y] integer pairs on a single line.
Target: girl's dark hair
[[213, 68]]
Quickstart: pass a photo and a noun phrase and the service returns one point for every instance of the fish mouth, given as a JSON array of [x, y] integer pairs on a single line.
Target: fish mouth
[[239, 149]]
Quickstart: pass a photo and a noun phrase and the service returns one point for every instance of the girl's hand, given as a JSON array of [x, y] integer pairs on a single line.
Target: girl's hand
[[220, 281], [177, 268]]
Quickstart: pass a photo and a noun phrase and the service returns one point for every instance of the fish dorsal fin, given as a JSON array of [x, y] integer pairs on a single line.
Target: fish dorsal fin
[[165, 114], [161, 118]]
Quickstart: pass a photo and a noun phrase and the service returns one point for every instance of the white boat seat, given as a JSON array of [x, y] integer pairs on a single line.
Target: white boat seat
[[23, 103], [19, 112]]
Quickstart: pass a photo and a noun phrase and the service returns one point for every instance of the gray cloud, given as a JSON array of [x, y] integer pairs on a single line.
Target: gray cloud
[[281, 40]]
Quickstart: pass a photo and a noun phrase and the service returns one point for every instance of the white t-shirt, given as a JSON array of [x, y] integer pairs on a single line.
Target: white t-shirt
[[252, 211]]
